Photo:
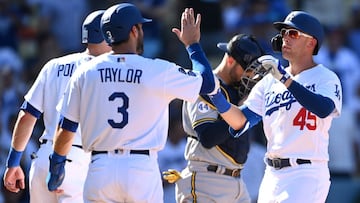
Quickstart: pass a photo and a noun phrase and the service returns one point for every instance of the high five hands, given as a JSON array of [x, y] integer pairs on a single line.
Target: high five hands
[[189, 32]]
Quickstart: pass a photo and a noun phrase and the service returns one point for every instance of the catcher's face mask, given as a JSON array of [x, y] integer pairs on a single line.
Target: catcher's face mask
[[252, 75]]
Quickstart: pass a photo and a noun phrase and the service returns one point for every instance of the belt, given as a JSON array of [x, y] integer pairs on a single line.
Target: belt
[[228, 172], [44, 141], [116, 151], [278, 163]]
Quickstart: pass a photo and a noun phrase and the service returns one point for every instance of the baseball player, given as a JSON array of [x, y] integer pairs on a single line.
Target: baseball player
[[214, 157], [121, 102], [296, 105], [42, 98]]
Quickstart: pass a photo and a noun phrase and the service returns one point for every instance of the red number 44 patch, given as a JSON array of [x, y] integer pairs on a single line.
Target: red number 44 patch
[[305, 119]]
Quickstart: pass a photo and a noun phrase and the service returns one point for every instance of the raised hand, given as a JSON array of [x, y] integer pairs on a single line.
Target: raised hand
[[190, 28]]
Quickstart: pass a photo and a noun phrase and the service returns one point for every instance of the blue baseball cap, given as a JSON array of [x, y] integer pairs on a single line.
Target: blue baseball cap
[[91, 32], [118, 20], [306, 23]]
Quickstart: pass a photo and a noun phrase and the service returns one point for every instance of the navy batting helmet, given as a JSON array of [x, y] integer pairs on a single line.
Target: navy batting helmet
[[118, 20], [243, 48], [306, 23], [91, 32]]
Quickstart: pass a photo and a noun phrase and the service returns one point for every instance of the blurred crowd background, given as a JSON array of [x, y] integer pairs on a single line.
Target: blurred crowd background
[[34, 31]]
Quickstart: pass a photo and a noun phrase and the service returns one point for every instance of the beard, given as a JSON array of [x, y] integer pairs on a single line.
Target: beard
[[140, 45]]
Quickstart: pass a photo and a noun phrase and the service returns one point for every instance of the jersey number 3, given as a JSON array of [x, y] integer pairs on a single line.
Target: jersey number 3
[[305, 119], [122, 110]]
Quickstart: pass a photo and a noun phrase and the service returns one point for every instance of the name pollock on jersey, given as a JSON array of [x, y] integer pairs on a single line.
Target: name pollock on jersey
[[119, 75], [65, 69]]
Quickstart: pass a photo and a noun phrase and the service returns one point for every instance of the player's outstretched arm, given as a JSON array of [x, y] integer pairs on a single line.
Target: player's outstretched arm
[[229, 112], [14, 178], [189, 35]]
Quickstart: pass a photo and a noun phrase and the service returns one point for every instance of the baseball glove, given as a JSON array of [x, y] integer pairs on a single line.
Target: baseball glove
[[171, 175]]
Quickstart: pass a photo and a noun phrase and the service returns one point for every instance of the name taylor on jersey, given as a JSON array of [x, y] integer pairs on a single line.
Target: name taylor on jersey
[[120, 75]]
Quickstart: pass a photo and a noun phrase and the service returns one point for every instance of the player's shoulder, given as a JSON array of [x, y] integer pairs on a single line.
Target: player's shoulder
[[266, 80], [158, 62], [322, 71], [66, 59]]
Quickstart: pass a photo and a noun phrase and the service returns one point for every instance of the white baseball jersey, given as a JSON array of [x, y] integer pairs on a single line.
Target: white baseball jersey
[[121, 101], [49, 87], [44, 95], [291, 130]]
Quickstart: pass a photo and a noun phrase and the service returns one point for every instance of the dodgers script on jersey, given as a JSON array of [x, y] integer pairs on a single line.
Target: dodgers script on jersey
[[298, 132], [49, 87], [127, 92]]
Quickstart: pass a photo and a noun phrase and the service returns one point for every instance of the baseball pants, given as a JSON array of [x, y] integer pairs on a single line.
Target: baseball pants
[[75, 174]]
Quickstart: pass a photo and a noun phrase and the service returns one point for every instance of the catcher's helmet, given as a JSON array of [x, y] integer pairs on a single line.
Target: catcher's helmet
[[306, 23], [118, 20], [243, 48], [91, 32]]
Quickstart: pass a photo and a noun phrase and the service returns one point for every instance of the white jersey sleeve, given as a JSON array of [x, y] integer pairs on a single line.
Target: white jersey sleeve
[[49, 87], [330, 87]]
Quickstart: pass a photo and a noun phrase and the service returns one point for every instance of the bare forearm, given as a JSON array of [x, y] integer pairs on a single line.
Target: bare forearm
[[234, 117], [22, 130], [63, 141]]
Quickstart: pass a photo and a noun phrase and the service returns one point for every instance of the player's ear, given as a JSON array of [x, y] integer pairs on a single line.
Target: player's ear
[[312, 43], [230, 60], [135, 30]]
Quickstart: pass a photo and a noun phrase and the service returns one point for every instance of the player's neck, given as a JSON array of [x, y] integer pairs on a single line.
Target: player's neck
[[299, 66], [224, 77], [124, 48], [97, 49]]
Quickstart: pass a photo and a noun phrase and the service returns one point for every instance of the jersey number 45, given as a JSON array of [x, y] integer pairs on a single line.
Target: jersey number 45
[[305, 118]]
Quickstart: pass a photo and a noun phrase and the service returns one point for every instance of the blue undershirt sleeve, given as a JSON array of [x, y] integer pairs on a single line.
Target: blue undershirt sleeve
[[252, 119], [201, 64], [26, 106], [212, 134], [68, 124], [315, 103]]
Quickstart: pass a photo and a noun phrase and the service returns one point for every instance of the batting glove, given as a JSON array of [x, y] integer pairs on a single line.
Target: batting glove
[[56, 171], [276, 69], [171, 175]]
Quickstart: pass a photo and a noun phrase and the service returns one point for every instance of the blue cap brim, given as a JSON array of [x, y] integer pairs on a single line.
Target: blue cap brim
[[146, 20], [280, 25], [223, 46]]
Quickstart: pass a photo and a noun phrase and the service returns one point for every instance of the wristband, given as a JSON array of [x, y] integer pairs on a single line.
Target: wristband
[[284, 77], [220, 102], [14, 158], [57, 158]]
